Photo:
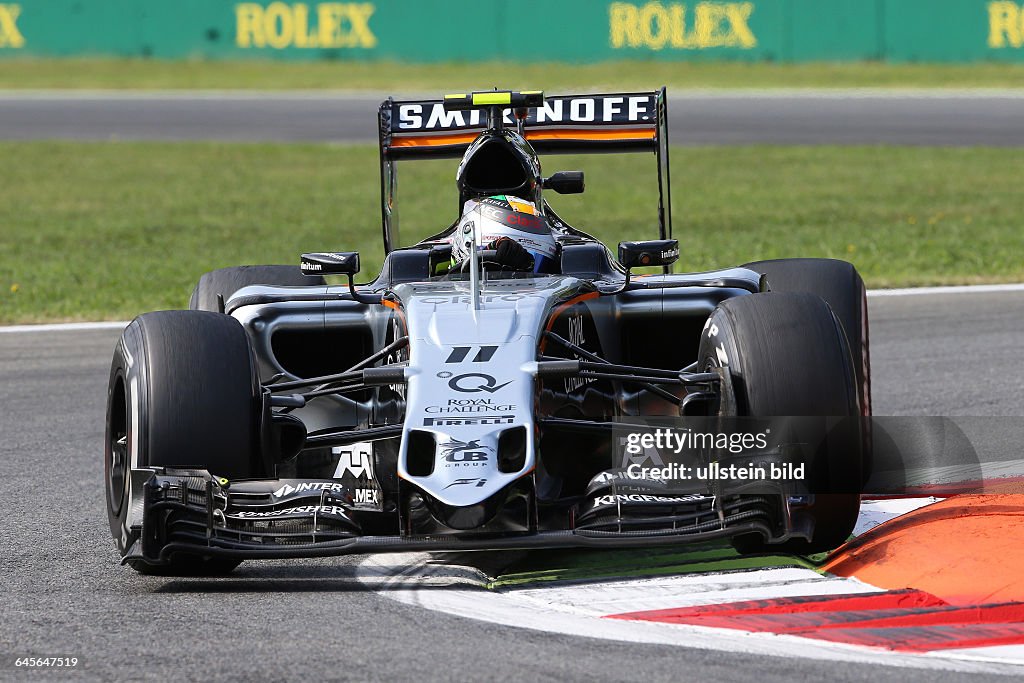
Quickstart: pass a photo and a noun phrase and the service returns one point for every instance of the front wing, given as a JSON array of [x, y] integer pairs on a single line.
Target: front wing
[[192, 512]]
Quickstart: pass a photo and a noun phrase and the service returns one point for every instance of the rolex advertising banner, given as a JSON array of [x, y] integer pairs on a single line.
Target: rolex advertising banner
[[520, 30]]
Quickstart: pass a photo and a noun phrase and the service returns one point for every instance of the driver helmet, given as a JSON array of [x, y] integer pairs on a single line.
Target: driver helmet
[[506, 216]]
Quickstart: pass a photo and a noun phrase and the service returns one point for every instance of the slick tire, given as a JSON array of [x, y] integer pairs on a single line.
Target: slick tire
[[842, 288], [227, 281], [787, 355], [183, 392]]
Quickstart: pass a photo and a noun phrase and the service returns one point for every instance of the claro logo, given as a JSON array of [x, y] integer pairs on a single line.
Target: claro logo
[[281, 25], [685, 27]]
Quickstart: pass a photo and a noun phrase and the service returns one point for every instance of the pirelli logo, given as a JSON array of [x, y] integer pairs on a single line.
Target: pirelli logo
[[450, 421]]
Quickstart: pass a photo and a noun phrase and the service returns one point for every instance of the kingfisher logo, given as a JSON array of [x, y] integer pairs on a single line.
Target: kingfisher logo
[[301, 510], [626, 498]]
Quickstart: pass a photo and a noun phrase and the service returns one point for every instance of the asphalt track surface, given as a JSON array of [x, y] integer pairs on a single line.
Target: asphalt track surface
[[65, 594], [944, 118]]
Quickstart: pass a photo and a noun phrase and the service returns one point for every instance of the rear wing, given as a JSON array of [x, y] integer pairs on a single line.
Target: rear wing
[[566, 124]]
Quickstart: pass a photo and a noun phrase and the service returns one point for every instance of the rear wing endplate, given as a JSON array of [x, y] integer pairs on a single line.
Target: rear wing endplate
[[565, 124]]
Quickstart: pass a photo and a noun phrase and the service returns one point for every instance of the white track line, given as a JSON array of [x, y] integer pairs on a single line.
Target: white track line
[[951, 289], [910, 291], [66, 327], [576, 607], [412, 579], [875, 512]]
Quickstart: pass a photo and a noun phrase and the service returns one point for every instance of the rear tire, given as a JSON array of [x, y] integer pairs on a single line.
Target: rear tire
[[186, 381], [226, 281], [787, 355]]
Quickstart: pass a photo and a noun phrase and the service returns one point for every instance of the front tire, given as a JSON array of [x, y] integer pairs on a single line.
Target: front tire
[[787, 355], [183, 392], [842, 288]]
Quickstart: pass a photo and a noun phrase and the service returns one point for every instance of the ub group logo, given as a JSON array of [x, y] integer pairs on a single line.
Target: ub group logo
[[706, 24], [282, 25], [10, 34]]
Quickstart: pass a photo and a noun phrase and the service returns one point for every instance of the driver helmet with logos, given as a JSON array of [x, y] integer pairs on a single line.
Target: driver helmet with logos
[[506, 216]]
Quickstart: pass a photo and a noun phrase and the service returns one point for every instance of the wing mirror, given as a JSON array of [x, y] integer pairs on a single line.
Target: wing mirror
[[649, 253], [330, 263], [337, 263], [439, 254], [565, 182]]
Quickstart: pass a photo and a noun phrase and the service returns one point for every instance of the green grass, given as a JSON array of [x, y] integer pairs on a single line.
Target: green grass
[[448, 77], [554, 566], [108, 230]]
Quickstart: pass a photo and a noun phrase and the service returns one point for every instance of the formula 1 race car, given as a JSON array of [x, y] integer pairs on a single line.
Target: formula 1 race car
[[457, 404]]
